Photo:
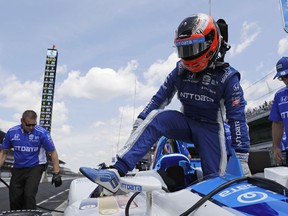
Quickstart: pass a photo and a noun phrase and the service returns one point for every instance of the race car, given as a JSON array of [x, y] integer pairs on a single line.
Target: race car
[[175, 186]]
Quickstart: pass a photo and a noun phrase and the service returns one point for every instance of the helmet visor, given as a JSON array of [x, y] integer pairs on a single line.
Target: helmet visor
[[192, 47]]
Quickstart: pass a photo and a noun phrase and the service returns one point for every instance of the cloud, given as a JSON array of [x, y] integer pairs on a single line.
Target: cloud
[[260, 66], [262, 90], [62, 69], [20, 96], [59, 119], [249, 33], [155, 76], [99, 83], [282, 46], [97, 143], [158, 71]]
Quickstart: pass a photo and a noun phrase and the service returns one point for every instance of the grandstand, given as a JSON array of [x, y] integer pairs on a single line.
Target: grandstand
[[260, 126]]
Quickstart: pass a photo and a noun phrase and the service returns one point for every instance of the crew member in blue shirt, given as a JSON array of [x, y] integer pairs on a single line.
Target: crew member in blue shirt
[[30, 143], [279, 110]]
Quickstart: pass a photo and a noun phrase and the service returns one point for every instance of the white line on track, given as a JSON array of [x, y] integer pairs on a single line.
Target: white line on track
[[52, 197]]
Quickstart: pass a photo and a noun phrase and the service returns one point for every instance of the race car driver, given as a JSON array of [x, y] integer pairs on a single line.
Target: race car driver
[[209, 90]]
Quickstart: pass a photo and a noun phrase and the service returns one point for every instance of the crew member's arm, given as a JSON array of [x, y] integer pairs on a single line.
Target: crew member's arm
[[277, 133], [56, 179], [3, 155], [55, 161]]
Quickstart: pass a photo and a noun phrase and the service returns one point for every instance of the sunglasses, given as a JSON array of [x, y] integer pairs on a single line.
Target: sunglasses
[[281, 78], [29, 125]]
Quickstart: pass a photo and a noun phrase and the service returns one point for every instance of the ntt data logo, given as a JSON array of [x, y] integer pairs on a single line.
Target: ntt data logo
[[131, 187]]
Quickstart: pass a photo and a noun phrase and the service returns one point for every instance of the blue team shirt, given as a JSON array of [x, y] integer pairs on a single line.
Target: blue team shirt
[[29, 148], [279, 110], [283, 145]]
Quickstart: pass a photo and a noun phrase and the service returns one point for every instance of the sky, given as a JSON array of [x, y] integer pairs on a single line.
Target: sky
[[113, 56]]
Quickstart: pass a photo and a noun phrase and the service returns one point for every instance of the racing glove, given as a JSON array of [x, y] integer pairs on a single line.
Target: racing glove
[[56, 179], [243, 157]]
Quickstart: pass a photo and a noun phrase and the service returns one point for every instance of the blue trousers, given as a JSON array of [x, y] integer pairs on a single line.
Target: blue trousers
[[208, 137]]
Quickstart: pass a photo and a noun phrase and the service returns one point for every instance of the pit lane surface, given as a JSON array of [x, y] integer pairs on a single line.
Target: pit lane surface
[[48, 197]]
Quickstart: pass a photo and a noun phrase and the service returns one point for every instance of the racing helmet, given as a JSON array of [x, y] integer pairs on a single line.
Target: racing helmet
[[198, 40]]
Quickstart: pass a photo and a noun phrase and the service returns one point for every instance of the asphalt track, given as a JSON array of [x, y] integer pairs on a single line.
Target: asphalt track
[[49, 198]]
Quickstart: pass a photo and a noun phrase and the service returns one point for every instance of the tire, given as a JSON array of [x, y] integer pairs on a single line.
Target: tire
[[25, 213]]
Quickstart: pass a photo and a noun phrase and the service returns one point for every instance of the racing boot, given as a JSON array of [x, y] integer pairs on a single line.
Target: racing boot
[[108, 178]]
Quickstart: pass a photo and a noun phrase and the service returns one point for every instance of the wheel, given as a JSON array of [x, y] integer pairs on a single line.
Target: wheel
[[25, 213]]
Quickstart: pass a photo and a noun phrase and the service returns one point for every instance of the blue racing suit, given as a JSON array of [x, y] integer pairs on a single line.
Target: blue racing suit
[[228, 138], [29, 148], [205, 97]]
